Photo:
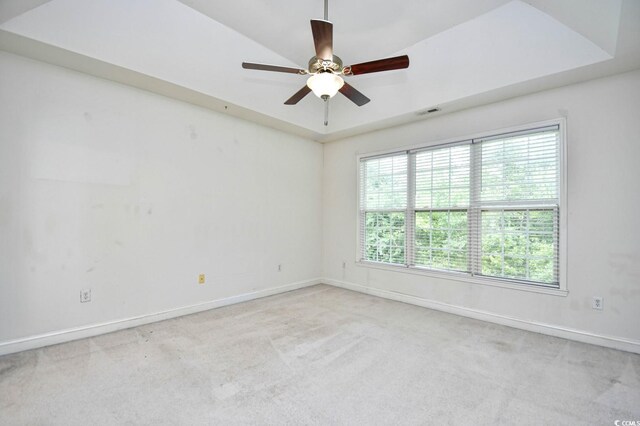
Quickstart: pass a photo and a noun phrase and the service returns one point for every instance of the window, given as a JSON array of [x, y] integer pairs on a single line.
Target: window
[[384, 198], [441, 211], [487, 207]]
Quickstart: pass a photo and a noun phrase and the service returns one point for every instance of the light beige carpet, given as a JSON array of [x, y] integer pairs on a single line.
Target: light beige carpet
[[320, 355]]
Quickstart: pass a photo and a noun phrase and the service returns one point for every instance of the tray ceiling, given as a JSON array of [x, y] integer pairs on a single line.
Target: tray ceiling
[[462, 52]]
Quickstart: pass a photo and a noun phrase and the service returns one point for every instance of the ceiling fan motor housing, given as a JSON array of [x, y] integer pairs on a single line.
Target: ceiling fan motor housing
[[317, 65]]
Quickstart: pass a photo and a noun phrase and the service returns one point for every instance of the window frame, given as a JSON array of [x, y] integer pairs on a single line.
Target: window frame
[[561, 290]]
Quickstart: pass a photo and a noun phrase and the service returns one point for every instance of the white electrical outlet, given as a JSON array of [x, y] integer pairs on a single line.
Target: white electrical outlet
[[85, 295], [597, 303]]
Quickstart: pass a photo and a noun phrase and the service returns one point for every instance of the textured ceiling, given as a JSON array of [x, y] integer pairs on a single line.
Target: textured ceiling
[[462, 52]]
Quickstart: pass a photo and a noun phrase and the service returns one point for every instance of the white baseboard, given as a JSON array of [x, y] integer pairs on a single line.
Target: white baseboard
[[549, 329], [47, 339], [55, 337]]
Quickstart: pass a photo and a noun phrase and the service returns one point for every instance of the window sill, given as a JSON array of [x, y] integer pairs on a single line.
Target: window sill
[[461, 277]]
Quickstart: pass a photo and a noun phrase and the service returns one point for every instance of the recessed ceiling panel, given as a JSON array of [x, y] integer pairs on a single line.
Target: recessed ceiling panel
[[362, 30], [457, 48]]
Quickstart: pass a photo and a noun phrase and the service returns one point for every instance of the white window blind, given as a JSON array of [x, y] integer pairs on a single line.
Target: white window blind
[[383, 206], [518, 206], [488, 207], [441, 208]]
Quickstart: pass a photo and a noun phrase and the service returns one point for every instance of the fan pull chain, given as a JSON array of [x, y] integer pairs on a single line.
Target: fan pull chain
[[326, 112]]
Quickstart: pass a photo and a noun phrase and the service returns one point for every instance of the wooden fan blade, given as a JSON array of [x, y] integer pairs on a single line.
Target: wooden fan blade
[[275, 68], [323, 38], [353, 95], [298, 95], [387, 64]]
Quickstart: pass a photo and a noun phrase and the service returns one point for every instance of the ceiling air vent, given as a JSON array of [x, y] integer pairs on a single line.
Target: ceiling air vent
[[428, 111]]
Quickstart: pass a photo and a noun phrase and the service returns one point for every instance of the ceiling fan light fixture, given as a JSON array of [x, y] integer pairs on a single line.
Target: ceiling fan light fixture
[[325, 84]]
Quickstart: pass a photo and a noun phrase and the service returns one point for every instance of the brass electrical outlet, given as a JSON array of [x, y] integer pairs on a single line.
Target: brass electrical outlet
[[201, 279]]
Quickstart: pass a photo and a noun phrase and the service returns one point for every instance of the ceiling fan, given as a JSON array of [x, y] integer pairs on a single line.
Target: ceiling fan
[[326, 69]]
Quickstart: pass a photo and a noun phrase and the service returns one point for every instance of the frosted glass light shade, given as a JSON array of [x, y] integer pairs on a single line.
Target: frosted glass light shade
[[325, 84]]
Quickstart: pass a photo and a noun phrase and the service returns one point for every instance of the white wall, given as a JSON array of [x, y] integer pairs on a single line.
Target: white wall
[[603, 125], [132, 195]]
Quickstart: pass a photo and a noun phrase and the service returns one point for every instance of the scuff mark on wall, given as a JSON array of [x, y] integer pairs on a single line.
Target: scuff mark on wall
[[626, 264], [192, 132]]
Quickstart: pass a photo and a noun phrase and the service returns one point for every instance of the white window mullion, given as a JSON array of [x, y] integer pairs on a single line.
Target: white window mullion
[[363, 196], [410, 234], [556, 243], [474, 218]]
